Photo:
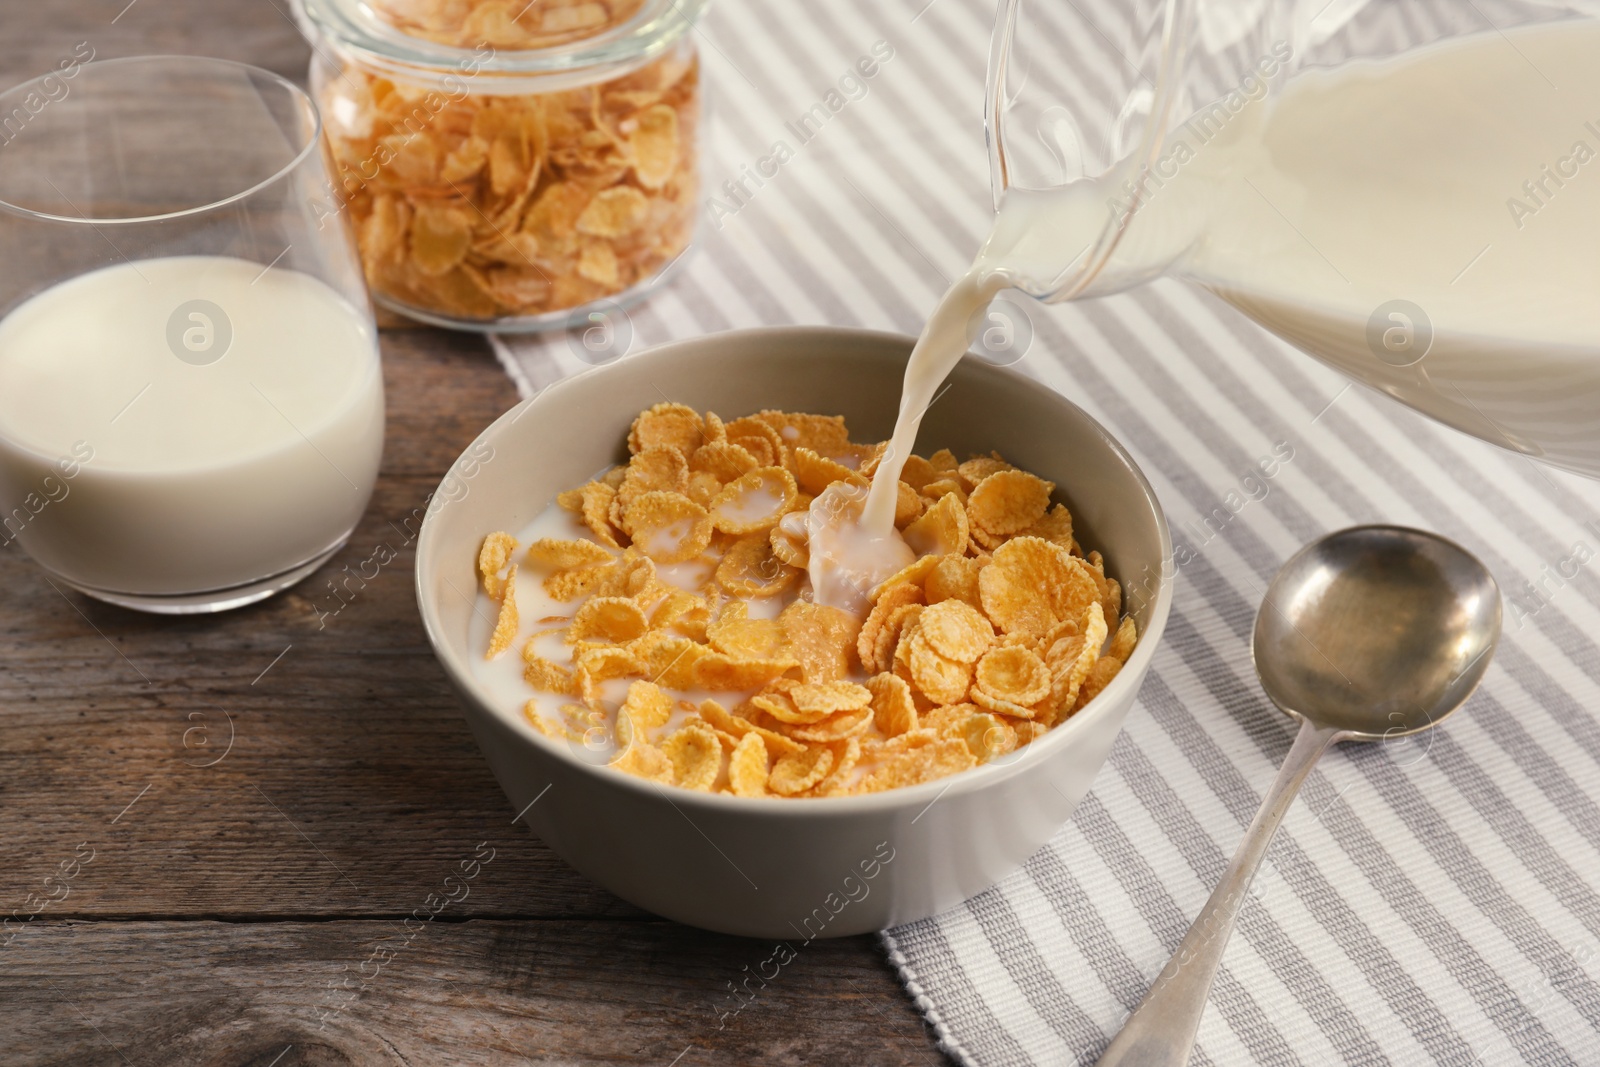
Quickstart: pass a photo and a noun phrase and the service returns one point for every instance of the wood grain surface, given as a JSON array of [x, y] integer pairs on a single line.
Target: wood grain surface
[[482, 992], [220, 825]]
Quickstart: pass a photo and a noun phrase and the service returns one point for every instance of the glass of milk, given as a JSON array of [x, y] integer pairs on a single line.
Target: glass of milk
[[191, 402], [1408, 192]]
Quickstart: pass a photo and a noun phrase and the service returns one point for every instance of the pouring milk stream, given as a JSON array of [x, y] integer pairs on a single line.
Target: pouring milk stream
[[1428, 224]]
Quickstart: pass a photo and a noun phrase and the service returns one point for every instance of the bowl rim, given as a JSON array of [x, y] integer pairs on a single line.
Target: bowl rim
[[926, 793]]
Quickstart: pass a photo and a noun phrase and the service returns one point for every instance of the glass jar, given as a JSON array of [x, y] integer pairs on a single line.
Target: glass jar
[[505, 169]]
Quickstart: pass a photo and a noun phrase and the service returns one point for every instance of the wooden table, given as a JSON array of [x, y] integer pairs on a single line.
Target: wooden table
[[227, 819]]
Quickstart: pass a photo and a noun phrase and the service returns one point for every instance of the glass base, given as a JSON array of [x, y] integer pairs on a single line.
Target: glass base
[[234, 596]]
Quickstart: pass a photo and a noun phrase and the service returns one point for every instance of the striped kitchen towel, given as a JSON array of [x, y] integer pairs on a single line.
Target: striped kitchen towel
[[1436, 901]]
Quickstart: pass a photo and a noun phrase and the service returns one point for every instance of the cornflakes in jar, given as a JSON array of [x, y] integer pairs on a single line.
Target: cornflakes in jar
[[506, 164]]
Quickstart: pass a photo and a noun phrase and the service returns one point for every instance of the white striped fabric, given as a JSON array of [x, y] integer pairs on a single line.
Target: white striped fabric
[[1432, 902]]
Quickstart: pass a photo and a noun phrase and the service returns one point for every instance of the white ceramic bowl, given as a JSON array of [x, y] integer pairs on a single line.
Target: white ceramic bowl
[[779, 868]]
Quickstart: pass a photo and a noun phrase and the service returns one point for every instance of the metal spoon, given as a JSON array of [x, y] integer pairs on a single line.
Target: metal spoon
[[1369, 634]]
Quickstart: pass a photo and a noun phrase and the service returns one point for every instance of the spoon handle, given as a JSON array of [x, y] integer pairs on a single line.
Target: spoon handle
[[1161, 1030]]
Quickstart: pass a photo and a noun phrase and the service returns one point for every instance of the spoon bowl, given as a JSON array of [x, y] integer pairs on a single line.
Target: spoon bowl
[[1377, 631]]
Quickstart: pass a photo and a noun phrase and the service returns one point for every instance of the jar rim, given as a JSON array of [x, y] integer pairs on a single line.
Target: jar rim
[[355, 29]]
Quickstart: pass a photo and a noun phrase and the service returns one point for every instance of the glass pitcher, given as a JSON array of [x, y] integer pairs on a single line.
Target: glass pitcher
[[1408, 190]]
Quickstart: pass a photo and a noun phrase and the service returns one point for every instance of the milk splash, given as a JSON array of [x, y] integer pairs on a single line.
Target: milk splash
[[852, 541]]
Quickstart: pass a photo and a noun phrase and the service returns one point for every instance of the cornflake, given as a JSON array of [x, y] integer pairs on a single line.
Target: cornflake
[[740, 637], [505, 625], [696, 756], [799, 772], [673, 425], [492, 559], [754, 502], [747, 767], [692, 580], [609, 618], [669, 527]]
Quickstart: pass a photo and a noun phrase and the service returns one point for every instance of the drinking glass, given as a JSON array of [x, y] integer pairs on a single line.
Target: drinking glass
[[1155, 130], [191, 402]]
